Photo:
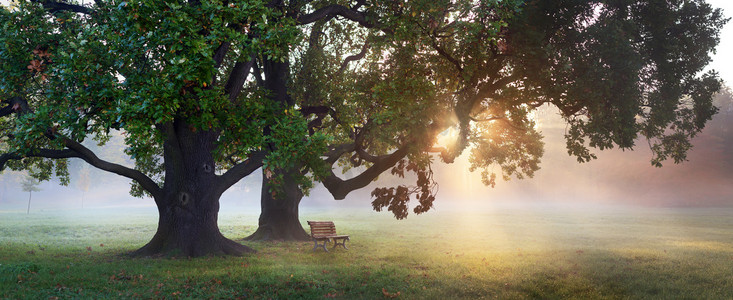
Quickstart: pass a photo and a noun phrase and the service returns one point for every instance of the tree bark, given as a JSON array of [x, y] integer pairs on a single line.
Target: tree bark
[[279, 217], [187, 230], [189, 205]]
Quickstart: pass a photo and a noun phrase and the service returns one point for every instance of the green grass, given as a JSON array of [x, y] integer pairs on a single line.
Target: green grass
[[504, 253]]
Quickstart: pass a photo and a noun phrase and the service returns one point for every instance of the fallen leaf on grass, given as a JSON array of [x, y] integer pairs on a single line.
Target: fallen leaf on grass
[[390, 295], [89, 248]]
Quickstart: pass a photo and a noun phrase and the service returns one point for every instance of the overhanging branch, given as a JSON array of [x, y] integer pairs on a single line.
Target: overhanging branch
[[46, 153], [333, 155], [77, 150], [241, 170], [339, 188], [87, 155], [334, 10], [354, 57]]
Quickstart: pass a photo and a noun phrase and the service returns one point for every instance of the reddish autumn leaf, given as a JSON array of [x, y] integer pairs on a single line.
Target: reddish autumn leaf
[[41, 53], [390, 295], [35, 66]]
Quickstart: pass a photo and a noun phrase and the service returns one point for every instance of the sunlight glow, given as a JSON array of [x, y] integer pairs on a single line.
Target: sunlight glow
[[447, 138]]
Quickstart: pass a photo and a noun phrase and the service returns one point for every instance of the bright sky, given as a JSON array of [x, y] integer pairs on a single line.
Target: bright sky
[[723, 59]]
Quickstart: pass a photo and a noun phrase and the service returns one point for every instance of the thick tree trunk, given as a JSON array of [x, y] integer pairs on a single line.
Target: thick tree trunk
[[279, 216], [189, 205], [187, 229]]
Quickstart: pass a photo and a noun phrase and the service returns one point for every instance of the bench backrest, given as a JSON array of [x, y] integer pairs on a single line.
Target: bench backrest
[[322, 228]]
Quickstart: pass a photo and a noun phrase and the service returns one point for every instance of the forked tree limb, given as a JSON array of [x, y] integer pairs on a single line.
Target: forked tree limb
[[88, 155], [241, 170], [335, 10], [339, 188]]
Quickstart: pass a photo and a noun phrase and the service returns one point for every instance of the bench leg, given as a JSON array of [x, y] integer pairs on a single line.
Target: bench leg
[[343, 243], [316, 245]]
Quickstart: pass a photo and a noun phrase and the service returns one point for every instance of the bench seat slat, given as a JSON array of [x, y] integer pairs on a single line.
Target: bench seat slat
[[329, 236]]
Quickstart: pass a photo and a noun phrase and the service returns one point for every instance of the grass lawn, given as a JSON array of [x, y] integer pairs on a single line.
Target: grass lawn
[[506, 253]]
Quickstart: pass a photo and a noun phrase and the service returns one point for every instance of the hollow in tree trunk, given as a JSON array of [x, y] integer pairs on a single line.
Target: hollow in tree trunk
[[279, 216], [189, 205]]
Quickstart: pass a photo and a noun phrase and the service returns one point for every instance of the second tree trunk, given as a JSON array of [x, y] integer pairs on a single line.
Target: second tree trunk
[[279, 217]]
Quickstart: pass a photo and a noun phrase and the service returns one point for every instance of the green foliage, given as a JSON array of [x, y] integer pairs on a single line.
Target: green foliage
[[619, 71], [292, 149], [140, 67]]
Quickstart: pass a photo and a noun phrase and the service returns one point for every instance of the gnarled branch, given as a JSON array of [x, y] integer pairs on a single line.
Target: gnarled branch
[[46, 153], [241, 170], [333, 155], [335, 10], [354, 57], [339, 188], [87, 155]]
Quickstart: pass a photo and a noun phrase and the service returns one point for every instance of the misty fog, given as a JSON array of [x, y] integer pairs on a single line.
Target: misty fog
[[616, 177]]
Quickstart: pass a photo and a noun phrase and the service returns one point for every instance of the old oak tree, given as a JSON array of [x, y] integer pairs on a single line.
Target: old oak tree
[[208, 92], [384, 79], [172, 76]]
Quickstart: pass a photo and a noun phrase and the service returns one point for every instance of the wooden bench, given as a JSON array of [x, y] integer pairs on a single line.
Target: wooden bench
[[325, 231]]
